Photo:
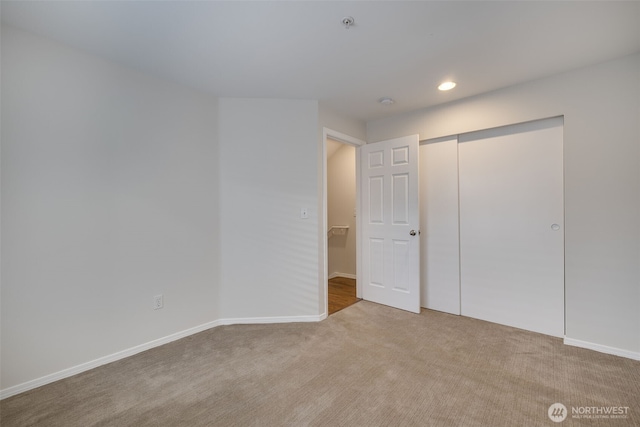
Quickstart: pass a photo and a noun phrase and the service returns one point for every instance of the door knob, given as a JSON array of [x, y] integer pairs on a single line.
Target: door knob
[[412, 233]]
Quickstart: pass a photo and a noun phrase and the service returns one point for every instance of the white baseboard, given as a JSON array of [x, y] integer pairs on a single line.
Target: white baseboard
[[65, 373], [282, 319], [11, 391], [347, 275], [602, 348]]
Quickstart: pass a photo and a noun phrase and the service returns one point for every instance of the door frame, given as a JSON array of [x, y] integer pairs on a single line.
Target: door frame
[[324, 250]]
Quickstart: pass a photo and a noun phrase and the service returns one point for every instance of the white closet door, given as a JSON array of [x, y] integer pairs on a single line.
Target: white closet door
[[440, 266], [512, 226]]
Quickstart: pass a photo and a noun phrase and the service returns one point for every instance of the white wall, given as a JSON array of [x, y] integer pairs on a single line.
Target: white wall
[[341, 123], [109, 197], [113, 192], [601, 108], [269, 253], [341, 204]]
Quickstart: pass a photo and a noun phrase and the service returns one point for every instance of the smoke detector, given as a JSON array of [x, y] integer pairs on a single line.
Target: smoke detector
[[386, 101], [347, 21]]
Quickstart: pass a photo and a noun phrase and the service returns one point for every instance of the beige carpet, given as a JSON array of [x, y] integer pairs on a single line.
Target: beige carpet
[[368, 365]]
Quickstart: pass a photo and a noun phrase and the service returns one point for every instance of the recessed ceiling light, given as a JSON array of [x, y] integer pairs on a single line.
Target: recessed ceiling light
[[386, 101], [447, 86]]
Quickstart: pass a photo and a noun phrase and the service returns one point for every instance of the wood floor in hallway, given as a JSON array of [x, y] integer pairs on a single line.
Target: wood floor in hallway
[[342, 293]]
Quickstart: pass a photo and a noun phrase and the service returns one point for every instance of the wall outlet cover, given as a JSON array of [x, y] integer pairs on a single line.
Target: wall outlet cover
[[158, 302]]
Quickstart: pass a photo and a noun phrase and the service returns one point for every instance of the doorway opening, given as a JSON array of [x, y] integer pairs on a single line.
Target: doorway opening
[[340, 222], [341, 293]]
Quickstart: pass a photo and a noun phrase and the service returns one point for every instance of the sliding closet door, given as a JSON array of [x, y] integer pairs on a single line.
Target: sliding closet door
[[512, 226], [439, 250]]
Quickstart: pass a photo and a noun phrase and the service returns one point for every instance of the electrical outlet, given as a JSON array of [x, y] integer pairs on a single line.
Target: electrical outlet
[[158, 302]]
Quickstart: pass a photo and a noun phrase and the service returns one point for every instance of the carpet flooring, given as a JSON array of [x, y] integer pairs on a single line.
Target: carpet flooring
[[367, 365]]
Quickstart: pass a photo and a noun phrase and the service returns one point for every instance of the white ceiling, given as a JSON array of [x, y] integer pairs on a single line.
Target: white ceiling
[[295, 49]]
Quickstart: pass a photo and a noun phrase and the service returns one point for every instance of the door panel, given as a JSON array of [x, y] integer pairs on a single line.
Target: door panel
[[440, 250], [376, 199], [390, 210], [512, 226], [400, 196], [376, 262], [401, 253]]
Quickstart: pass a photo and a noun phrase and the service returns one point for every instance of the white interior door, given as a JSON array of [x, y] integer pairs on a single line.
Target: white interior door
[[512, 226], [390, 223]]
